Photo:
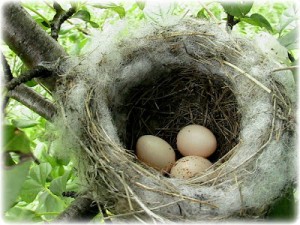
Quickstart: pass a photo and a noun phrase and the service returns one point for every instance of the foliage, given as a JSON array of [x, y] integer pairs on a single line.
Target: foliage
[[284, 207], [36, 178]]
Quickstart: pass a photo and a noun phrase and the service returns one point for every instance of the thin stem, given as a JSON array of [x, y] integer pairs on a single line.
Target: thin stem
[[39, 71], [37, 13], [8, 76], [60, 17]]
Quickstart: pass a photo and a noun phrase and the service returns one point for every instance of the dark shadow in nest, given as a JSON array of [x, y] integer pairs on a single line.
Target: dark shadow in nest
[[183, 98]]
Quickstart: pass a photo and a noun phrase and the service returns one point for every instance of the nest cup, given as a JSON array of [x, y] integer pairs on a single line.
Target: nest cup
[[179, 98], [155, 80]]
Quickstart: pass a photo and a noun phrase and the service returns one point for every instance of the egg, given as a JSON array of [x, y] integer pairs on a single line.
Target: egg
[[196, 140], [155, 152], [190, 166]]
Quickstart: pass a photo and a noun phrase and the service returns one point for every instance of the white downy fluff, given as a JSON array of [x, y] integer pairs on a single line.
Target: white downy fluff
[[122, 56]]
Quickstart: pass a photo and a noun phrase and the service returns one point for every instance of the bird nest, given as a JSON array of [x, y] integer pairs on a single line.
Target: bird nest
[[156, 80]]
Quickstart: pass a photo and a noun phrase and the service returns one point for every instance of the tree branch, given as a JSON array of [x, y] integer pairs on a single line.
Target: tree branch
[[8, 76], [28, 40], [82, 208], [39, 71], [231, 21], [34, 46], [33, 101], [25, 95], [60, 17]]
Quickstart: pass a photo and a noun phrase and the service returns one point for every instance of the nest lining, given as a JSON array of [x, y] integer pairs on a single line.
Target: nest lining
[[181, 98], [129, 188]]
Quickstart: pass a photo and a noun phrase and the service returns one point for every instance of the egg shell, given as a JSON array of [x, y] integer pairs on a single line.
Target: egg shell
[[155, 152], [196, 140], [190, 166]]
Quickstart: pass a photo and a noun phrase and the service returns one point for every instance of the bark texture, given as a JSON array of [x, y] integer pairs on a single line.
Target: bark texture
[[29, 75], [81, 208], [28, 40], [33, 101]]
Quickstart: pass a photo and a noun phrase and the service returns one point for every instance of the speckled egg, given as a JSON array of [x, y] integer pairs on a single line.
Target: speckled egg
[[190, 166], [155, 152]]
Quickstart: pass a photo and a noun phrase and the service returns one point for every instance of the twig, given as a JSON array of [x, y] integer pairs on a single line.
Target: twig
[[241, 195], [59, 18], [142, 211], [37, 13], [86, 32], [209, 13], [286, 68], [141, 204], [176, 195], [7, 77], [231, 21], [6, 69], [39, 71], [248, 76]]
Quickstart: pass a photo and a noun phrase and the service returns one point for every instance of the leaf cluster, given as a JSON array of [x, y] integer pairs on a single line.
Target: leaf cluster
[[32, 175]]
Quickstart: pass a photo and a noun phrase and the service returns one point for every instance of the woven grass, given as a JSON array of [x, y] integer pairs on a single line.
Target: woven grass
[[194, 78]]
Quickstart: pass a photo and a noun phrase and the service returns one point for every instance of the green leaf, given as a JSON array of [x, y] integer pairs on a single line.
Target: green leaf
[[141, 4], [50, 203], [8, 160], [238, 9], [73, 37], [83, 15], [93, 24], [44, 24], [290, 40], [258, 20], [57, 171], [40, 173], [289, 16], [202, 14], [284, 208], [30, 190], [73, 184], [79, 46], [15, 140], [18, 214], [13, 181], [58, 185], [22, 123], [118, 9], [31, 83]]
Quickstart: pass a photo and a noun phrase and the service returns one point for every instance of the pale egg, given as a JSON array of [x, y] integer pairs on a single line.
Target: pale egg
[[155, 152], [196, 140], [190, 166]]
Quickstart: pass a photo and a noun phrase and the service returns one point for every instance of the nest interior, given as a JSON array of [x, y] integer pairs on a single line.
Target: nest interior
[[177, 99]]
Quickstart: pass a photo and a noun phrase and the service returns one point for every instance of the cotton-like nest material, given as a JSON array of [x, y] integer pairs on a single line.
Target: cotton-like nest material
[[150, 79]]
